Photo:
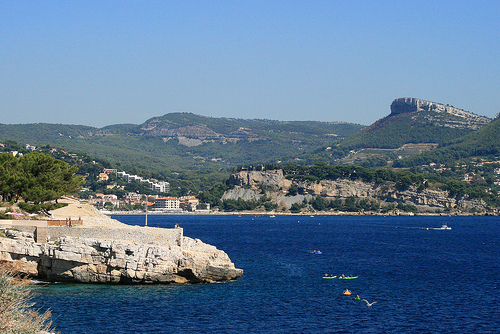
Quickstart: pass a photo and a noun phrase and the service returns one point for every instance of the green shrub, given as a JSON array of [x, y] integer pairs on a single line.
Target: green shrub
[[16, 308]]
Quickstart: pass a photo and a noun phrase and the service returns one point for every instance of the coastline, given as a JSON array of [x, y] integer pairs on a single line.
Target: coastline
[[94, 217], [260, 213], [99, 249]]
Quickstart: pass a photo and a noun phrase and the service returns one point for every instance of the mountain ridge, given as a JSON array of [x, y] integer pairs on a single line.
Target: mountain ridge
[[184, 141], [414, 121], [181, 141]]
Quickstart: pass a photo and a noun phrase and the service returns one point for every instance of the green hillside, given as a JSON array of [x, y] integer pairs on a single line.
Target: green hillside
[[394, 131], [484, 142], [178, 142]]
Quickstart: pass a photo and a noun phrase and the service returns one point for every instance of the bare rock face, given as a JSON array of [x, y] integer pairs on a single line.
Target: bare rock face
[[79, 259], [461, 117], [273, 179]]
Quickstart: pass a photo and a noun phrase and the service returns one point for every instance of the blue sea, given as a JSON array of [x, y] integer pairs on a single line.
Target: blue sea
[[423, 280]]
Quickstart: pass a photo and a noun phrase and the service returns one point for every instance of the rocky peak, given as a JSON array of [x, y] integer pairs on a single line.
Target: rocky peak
[[410, 104]]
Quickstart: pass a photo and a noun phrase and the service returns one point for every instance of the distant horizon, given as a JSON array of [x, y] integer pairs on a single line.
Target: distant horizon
[[276, 120], [98, 63], [185, 112]]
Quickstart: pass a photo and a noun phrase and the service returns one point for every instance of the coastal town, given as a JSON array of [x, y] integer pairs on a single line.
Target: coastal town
[[135, 201], [113, 191], [151, 195]]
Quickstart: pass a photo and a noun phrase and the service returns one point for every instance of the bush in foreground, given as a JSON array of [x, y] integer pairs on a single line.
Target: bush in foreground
[[16, 308]]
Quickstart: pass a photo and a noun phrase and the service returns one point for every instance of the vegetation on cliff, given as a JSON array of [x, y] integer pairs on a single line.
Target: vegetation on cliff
[[323, 171], [390, 189]]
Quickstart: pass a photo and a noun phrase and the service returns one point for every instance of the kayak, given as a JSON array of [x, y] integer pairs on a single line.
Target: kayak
[[353, 277], [329, 277]]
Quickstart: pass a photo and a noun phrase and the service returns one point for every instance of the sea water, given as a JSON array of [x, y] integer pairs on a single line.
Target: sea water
[[423, 280]]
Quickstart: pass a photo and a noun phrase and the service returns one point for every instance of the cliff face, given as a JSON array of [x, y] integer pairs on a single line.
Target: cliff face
[[115, 260], [248, 185], [460, 118]]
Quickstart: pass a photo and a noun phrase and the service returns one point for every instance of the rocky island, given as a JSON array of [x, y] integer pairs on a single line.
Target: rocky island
[[98, 249]]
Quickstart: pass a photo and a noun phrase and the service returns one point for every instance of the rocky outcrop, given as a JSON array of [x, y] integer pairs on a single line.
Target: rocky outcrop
[[112, 260], [273, 179], [464, 118], [251, 185]]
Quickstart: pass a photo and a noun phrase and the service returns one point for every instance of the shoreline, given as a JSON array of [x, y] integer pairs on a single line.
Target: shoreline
[[311, 214]]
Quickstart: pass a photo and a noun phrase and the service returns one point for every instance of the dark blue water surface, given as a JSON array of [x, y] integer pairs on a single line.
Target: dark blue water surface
[[424, 280]]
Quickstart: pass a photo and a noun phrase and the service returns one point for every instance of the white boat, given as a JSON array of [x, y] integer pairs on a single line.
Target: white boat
[[443, 227]]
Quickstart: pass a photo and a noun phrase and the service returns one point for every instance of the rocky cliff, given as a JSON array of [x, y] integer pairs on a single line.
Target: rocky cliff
[[105, 260], [103, 250], [459, 118], [249, 185]]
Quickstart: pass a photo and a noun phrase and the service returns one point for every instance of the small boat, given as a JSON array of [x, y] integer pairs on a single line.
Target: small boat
[[443, 227], [329, 277]]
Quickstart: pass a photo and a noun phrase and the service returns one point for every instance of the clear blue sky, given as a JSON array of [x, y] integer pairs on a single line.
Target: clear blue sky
[[107, 62]]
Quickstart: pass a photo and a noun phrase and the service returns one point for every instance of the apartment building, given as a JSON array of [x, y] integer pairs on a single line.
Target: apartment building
[[166, 204]]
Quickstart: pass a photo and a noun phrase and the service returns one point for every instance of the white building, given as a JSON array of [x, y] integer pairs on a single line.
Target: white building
[[158, 186], [161, 187], [167, 204], [133, 196]]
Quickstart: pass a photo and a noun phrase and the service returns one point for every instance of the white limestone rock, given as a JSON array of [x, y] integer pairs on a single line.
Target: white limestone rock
[[118, 261]]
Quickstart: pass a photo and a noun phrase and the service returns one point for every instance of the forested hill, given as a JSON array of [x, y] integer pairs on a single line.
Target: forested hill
[[185, 141], [416, 121], [484, 142], [202, 127]]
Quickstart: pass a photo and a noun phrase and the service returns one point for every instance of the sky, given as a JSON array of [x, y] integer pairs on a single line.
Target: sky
[[99, 63]]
